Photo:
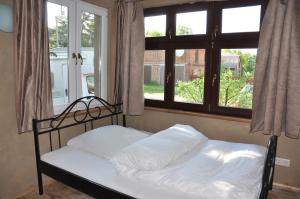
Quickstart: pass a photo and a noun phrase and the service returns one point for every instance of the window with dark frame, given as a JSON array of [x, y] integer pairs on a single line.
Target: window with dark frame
[[201, 57]]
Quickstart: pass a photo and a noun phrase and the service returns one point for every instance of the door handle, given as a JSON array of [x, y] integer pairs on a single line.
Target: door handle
[[80, 57], [74, 56], [213, 80], [170, 33], [168, 77]]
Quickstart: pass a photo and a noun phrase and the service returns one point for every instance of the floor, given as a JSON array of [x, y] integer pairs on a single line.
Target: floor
[[59, 191]]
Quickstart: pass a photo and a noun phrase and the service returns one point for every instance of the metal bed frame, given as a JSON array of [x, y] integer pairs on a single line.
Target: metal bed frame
[[88, 115]]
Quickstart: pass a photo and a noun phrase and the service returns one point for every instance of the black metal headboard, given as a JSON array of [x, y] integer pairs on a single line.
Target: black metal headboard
[[83, 111]]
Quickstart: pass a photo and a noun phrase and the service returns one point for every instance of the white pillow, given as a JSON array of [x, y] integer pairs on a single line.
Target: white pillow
[[157, 151], [107, 140]]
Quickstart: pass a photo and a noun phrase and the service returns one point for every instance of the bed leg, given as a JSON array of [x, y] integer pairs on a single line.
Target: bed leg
[[124, 120], [275, 138], [40, 183]]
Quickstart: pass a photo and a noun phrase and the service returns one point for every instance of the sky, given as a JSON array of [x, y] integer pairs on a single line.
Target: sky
[[55, 10]]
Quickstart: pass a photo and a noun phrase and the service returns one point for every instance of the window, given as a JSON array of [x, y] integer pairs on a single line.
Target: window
[[155, 26], [154, 74], [236, 77], [186, 26], [189, 75], [202, 56], [77, 44], [248, 19]]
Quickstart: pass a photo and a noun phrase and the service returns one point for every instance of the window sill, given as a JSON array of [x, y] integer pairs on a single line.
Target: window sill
[[212, 116]]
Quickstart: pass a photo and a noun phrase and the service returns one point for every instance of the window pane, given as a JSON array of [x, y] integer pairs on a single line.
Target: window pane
[[191, 23], [154, 75], [58, 27], [189, 75], [155, 26], [90, 51], [244, 19], [236, 78]]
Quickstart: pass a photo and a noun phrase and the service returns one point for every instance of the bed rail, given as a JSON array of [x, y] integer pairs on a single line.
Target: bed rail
[[269, 168], [83, 111]]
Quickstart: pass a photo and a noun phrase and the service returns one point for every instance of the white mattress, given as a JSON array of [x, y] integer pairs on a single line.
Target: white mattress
[[101, 171], [175, 182]]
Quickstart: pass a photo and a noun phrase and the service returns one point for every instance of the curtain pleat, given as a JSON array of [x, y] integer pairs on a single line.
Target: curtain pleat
[[130, 47], [276, 100], [32, 66]]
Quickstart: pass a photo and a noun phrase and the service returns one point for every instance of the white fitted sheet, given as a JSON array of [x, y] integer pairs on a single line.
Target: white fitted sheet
[[101, 171], [177, 181]]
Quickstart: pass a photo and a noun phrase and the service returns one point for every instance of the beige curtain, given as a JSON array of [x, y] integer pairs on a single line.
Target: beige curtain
[[276, 101], [129, 69], [33, 84]]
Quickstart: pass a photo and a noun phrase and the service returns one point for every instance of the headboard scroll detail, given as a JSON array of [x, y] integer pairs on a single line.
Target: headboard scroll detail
[[85, 108]]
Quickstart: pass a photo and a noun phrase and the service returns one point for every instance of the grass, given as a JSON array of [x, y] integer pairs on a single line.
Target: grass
[[153, 87]]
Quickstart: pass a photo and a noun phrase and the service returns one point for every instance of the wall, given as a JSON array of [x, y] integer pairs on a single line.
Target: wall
[[17, 160]]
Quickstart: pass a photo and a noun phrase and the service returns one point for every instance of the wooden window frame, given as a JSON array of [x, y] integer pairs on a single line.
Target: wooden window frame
[[213, 41]]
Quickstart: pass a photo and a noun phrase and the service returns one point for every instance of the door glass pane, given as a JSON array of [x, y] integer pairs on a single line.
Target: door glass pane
[[155, 26], [191, 23], [154, 75], [189, 75], [58, 27], [89, 60], [236, 78], [243, 19]]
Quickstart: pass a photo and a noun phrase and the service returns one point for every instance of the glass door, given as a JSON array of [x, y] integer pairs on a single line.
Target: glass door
[[61, 28], [92, 56], [78, 51]]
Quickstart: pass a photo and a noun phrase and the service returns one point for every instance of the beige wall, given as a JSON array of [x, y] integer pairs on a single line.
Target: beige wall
[[17, 159]]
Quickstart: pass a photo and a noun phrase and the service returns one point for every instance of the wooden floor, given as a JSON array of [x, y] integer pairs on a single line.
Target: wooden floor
[[59, 191]]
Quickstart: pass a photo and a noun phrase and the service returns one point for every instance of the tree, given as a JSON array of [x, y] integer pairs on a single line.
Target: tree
[[234, 91], [58, 36], [192, 91], [180, 30], [154, 33], [183, 30], [248, 60], [88, 30], [230, 89]]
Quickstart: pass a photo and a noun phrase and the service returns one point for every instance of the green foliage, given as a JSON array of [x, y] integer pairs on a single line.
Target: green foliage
[[248, 60], [154, 33], [58, 36], [88, 30], [235, 91], [183, 30], [192, 91], [231, 91]]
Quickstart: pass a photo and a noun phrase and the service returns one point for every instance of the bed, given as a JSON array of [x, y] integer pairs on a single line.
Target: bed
[[214, 169]]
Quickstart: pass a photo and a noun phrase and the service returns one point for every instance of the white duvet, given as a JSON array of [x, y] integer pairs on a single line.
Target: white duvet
[[159, 150], [215, 170]]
